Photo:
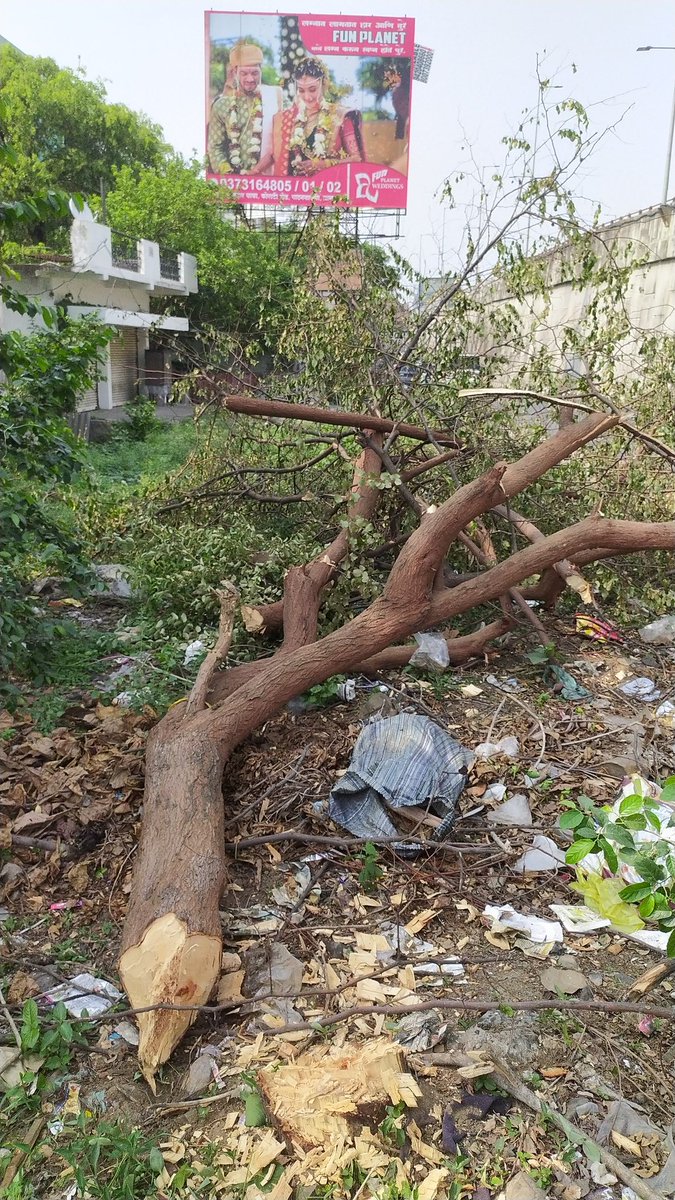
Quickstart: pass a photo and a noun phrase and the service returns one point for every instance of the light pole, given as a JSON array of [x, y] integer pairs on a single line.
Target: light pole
[[671, 130]]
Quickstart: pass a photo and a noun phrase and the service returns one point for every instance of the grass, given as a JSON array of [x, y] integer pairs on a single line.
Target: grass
[[124, 461], [73, 660]]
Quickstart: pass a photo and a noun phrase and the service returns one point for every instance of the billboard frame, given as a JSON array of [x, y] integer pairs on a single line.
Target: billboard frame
[[365, 190]]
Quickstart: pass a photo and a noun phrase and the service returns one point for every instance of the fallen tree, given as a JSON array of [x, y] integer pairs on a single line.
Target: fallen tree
[[172, 937], [426, 426]]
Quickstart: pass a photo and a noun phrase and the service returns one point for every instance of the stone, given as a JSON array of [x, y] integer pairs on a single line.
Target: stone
[[514, 1039], [570, 962], [556, 979], [114, 580]]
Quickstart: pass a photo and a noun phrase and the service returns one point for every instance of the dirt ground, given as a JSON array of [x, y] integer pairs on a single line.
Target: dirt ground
[[70, 804]]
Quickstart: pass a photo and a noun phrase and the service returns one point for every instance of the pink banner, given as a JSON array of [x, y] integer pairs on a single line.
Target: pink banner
[[309, 110]]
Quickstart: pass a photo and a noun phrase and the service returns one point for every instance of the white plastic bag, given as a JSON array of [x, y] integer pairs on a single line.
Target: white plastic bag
[[432, 652]]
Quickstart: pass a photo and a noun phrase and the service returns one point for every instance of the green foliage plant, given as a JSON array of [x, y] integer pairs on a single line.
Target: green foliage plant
[[615, 838]]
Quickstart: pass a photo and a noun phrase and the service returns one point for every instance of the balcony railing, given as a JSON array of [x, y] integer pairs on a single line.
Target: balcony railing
[[169, 265], [124, 250]]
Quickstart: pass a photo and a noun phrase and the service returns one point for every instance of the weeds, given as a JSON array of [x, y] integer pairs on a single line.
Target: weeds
[[110, 1163], [391, 1128], [45, 1049], [371, 871]]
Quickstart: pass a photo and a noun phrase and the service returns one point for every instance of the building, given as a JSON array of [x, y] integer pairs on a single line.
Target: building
[[114, 277], [646, 238]]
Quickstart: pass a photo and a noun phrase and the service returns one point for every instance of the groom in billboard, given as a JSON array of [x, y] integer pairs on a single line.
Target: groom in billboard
[[240, 128]]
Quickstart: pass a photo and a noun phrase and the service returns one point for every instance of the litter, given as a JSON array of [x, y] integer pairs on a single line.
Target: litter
[[13, 1066], [508, 747], [543, 855], [659, 633], [193, 651], [656, 1150], [567, 684], [85, 993], [602, 895], [125, 1032], [272, 969], [505, 685], [288, 894], [113, 580], [400, 761], [347, 691], [420, 1031], [432, 652], [593, 864], [400, 941], [202, 1071], [596, 629], [495, 792], [577, 918], [539, 929], [514, 811], [471, 691], [641, 688], [666, 712]]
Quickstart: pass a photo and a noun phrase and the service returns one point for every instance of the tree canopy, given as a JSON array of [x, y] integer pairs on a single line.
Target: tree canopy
[[242, 279], [63, 131]]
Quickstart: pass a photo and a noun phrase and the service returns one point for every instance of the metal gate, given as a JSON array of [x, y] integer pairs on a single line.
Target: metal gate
[[124, 366]]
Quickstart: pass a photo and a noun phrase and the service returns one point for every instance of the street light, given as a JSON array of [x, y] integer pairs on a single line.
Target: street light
[[671, 131]]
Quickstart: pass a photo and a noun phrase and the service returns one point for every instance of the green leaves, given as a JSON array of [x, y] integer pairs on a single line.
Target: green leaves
[[254, 1110], [30, 1026], [617, 839], [580, 849], [571, 819], [630, 805]]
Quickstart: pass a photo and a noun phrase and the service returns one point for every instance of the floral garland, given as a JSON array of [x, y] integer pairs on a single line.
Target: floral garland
[[244, 133], [324, 131]]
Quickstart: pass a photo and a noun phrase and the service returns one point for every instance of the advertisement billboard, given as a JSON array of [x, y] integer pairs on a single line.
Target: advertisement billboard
[[304, 109]]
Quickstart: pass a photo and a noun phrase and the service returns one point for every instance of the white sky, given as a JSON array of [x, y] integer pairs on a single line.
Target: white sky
[[150, 55]]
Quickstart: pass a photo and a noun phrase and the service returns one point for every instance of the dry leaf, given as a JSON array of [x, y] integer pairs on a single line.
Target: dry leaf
[[499, 940], [22, 987], [78, 878], [428, 1188], [420, 921], [626, 1143], [430, 1153]]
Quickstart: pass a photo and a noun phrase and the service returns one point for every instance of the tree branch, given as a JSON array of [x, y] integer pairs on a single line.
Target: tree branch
[[256, 406], [229, 598]]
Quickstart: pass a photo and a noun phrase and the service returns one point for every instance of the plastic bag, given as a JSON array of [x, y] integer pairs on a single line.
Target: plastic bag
[[659, 633], [432, 652], [602, 895]]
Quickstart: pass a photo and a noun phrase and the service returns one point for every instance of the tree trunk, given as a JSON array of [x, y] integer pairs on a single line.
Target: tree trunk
[[171, 945]]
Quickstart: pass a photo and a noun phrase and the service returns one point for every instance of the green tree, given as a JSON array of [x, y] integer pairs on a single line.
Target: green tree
[[242, 279], [44, 375], [63, 132]]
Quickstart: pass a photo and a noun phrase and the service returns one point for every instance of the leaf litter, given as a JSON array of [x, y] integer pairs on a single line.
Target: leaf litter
[[325, 942]]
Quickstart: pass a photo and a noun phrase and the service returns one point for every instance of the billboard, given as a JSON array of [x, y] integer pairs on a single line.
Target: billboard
[[304, 109]]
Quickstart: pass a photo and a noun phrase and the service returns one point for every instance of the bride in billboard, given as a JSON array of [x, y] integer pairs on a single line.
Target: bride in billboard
[[315, 134]]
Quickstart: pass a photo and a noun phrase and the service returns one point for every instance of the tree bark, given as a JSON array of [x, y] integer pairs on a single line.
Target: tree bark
[[258, 406]]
